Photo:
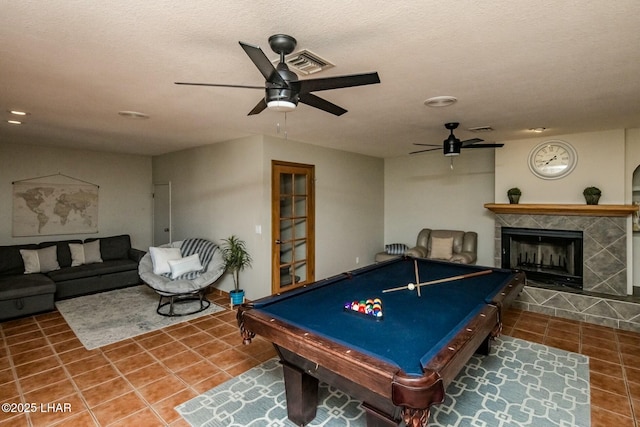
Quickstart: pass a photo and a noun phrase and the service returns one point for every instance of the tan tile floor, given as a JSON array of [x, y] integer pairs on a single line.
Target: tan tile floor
[[140, 380]]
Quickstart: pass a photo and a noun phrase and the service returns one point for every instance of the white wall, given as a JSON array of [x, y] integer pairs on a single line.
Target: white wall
[[423, 192], [225, 189], [125, 202], [601, 163]]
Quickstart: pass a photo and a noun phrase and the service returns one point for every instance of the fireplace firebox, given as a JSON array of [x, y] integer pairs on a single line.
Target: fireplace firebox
[[548, 256]]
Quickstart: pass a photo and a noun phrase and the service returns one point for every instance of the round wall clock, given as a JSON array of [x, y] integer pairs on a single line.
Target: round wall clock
[[552, 159]]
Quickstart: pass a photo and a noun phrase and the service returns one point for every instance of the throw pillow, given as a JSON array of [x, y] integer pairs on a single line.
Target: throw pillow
[[184, 265], [85, 253], [396, 248], [40, 260], [441, 248], [160, 258]]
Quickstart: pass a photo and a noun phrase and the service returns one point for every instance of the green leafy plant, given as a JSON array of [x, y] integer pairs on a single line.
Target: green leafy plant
[[515, 191], [592, 191], [236, 257]]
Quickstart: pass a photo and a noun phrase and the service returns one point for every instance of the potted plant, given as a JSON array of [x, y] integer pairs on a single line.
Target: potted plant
[[592, 195], [236, 259], [514, 195]]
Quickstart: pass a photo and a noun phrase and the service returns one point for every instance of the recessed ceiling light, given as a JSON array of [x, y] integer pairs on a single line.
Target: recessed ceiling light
[[18, 112], [538, 130], [133, 115], [440, 101], [14, 122]]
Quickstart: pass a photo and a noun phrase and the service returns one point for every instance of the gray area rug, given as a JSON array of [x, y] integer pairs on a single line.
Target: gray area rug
[[109, 317], [519, 384]]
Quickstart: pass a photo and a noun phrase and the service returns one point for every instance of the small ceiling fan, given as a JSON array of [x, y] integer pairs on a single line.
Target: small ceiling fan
[[282, 88], [452, 145]]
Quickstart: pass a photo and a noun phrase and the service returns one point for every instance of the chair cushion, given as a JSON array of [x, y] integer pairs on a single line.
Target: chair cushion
[[185, 265], [441, 248]]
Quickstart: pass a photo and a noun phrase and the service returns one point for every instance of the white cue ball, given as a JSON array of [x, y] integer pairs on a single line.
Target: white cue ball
[[411, 286]]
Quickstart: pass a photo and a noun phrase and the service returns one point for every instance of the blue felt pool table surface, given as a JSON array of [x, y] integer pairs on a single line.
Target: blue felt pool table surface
[[429, 321]]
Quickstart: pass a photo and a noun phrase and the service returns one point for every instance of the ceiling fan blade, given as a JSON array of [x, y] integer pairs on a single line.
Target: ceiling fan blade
[[312, 85], [219, 85], [471, 141], [261, 61], [428, 145], [485, 146], [422, 151], [260, 106], [322, 104]]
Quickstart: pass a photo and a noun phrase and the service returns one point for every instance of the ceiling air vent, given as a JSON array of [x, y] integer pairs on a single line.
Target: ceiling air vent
[[480, 129], [306, 62]]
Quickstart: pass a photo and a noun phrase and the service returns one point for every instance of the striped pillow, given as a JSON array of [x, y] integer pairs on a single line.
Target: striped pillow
[[396, 248]]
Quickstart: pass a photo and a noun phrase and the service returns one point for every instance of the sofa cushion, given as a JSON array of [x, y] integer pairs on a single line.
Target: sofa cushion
[[395, 248], [85, 253], [62, 247], [10, 259], [22, 286], [114, 247], [89, 270], [40, 260]]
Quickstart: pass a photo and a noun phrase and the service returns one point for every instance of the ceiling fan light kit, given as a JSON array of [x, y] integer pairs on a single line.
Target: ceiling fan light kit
[[283, 90]]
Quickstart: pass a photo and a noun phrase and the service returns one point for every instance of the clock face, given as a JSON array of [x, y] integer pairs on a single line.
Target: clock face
[[552, 159]]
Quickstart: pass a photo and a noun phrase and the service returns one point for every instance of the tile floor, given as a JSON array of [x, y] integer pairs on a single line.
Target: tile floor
[[140, 380]]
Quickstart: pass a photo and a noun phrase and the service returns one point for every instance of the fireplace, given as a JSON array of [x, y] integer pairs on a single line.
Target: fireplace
[[547, 256]]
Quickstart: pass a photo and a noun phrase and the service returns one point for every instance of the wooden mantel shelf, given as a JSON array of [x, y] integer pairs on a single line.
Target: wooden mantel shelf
[[555, 209]]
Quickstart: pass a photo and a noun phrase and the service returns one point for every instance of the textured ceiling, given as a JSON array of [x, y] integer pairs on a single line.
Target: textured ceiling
[[569, 66]]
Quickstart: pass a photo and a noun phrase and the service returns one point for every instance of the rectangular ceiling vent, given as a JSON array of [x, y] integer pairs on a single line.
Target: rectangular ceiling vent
[[306, 62], [480, 129]]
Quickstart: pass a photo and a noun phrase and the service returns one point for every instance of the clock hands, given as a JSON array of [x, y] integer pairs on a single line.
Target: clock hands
[[549, 161]]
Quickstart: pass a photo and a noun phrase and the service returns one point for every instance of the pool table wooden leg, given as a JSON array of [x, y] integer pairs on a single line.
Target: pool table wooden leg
[[301, 390], [485, 348], [416, 417]]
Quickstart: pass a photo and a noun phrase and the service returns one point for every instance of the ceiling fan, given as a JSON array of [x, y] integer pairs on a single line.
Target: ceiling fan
[[452, 145], [282, 88]]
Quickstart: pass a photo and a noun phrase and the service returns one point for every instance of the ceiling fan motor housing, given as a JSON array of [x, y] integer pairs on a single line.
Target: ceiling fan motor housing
[[452, 146], [287, 93]]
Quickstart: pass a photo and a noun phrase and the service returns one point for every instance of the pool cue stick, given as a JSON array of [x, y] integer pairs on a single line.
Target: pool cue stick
[[415, 265], [446, 279], [451, 279]]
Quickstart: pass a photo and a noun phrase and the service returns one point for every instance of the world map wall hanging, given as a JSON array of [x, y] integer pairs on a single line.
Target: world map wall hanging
[[42, 208]]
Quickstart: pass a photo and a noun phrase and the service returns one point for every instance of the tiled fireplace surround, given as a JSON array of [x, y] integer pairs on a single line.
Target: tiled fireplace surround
[[603, 299]]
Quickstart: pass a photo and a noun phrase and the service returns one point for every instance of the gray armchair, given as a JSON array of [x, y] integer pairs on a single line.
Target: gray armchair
[[448, 245]]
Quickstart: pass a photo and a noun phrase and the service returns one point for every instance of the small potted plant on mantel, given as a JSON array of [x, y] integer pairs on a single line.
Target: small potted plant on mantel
[[514, 195], [592, 195], [236, 259]]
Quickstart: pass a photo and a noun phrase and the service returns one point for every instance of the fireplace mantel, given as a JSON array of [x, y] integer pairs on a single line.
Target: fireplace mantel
[[559, 209]]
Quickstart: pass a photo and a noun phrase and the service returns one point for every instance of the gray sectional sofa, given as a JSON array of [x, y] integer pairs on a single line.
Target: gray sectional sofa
[[24, 294]]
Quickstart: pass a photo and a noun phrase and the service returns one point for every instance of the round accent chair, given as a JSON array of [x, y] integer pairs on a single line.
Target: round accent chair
[[181, 273]]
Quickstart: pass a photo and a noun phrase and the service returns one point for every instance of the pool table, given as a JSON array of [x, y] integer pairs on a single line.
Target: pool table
[[399, 364]]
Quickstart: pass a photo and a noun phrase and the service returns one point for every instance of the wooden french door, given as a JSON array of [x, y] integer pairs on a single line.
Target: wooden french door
[[292, 225]]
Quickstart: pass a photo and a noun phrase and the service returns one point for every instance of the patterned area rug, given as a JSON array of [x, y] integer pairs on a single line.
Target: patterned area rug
[[519, 384], [108, 317]]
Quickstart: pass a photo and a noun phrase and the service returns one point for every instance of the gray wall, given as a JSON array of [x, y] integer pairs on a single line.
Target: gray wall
[[124, 196], [224, 189], [422, 191]]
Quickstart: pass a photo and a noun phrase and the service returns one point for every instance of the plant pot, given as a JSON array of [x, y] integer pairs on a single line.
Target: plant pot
[[513, 198], [592, 199], [237, 297]]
